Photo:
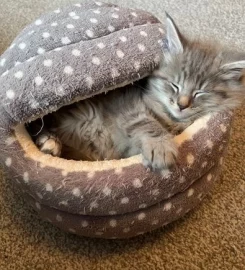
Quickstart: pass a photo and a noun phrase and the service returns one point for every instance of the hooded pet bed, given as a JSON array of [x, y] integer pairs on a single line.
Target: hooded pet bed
[[72, 54]]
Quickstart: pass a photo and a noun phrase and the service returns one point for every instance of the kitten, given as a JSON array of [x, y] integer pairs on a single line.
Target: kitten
[[192, 80]]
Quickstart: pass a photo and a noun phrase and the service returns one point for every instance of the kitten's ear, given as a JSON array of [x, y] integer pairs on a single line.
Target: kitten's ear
[[173, 36], [234, 70]]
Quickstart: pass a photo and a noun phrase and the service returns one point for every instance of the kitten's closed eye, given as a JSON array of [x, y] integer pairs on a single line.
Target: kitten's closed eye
[[175, 87], [198, 94]]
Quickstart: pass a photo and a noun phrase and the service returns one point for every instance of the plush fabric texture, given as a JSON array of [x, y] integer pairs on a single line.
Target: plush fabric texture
[[50, 65]]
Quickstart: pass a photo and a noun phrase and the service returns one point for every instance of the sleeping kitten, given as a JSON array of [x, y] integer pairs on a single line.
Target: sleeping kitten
[[193, 79]]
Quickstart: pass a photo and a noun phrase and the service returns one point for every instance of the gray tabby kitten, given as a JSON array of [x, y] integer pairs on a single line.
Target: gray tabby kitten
[[193, 79]]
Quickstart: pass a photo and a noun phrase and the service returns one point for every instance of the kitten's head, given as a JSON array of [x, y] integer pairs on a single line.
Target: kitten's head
[[195, 78]]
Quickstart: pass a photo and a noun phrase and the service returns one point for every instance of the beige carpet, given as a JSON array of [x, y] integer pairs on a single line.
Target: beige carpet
[[212, 237]]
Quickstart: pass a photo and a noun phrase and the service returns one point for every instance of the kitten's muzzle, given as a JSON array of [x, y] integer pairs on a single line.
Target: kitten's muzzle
[[183, 102]]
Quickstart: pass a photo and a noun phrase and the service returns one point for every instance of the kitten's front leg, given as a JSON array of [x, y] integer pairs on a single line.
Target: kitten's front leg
[[157, 146]]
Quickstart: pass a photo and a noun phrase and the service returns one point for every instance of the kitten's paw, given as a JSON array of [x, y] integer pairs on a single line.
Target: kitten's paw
[[49, 144], [159, 154]]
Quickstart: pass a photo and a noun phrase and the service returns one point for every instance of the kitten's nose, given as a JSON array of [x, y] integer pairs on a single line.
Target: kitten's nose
[[183, 102]]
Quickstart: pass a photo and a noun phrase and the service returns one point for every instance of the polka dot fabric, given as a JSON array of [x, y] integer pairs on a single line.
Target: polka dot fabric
[[73, 53]]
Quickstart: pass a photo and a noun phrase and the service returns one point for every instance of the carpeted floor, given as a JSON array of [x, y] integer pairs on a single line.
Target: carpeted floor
[[212, 237]]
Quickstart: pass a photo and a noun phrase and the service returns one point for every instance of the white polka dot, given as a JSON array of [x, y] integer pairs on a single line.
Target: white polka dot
[[77, 5], [54, 24], [90, 33], [182, 180], [68, 70], [63, 203], [93, 20], [38, 80], [142, 206], [19, 75], [118, 171], [65, 40], [45, 35], [223, 128], [137, 65], [155, 192], [89, 81], [47, 63], [167, 206], [98, 3], [200, 196], [120, 53], [2, 62], [111, 28], [12, 46], [49, 188], [179, 211], [22, 45], [40, 196], [41, 51], [190, 159], [76, 52], [26, 177], [17, 63], [96, 11], [5, 73], [115, 15], [71, 230], [221, 160], [93, 205], [76, 192], [101, 45], [209, 177], [10, 94], [57, 11], [30, 59], [84, 224], [75, 17], [58, 49], [190, 192], [34, 105], [134, 14], [141, 47], [31, 32], [96, 61], [126, 230], [143, 33], [59, 218], [99, 233], [141, 216], [114, 73], [210, 144], [38, 22], [107, 191], [70, 26], [161, 30], [123, 38], [125, 200], [38, 206], [72, 14], [113, 223], [137, 183], [8, 162], [10, 140], [204, 164], [112, 213], [116, 8], [155, 222]]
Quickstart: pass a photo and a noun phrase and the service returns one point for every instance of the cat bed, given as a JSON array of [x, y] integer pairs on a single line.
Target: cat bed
[[74, 53]]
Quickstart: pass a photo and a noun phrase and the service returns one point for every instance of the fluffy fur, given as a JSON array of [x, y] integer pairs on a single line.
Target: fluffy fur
[[193, 79]]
